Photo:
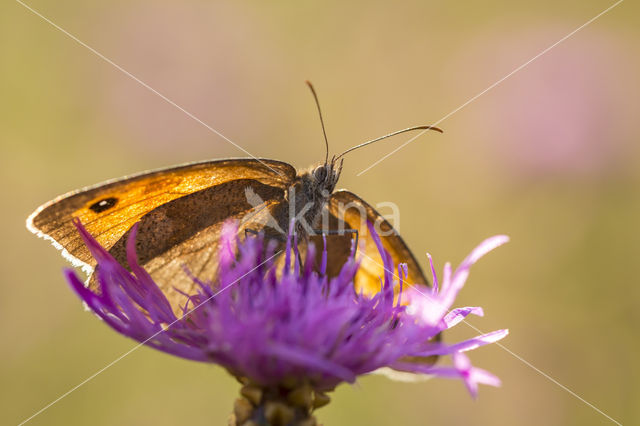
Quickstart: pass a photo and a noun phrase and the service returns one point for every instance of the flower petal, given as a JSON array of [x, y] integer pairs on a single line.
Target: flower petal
[[458, 314]]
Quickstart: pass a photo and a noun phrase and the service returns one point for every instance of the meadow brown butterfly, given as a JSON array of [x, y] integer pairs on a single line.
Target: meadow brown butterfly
[[181, 211]]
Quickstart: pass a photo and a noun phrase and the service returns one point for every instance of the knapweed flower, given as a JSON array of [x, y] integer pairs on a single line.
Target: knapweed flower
[[290, 334]]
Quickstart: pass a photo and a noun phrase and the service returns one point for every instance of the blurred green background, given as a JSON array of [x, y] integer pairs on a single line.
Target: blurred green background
[[549, 156]]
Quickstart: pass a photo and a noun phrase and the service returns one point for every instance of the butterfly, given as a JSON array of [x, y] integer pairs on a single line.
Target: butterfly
[[181, 211]]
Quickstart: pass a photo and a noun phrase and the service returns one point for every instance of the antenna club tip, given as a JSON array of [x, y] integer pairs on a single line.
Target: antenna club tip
[[437, 129]]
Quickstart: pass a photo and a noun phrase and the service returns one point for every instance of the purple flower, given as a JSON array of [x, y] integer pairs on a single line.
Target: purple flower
[[270, 326]]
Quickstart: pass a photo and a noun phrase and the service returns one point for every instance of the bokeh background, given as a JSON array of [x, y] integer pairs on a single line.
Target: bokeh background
[[549, 156]]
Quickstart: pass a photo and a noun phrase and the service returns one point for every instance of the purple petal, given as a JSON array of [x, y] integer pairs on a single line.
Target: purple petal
[[461, 274], [478, 341], [434, 276], [458, 314], [228, 242], [473, 376]]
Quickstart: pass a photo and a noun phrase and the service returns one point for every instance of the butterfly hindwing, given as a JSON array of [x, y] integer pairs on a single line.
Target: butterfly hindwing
[[348, 211]]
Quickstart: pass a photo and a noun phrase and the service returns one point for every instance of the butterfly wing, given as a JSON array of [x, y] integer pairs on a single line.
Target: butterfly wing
[[180, 209], [348, 211]]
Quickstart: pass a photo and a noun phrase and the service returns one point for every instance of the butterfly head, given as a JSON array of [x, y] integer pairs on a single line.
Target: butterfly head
[[326, 176]]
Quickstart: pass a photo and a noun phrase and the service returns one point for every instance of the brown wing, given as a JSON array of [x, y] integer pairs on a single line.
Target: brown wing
[[180, 210], [348, 211]]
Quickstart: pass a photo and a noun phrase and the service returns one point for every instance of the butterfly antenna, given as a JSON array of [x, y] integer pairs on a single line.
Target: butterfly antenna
[[410, 129], [324, 132]]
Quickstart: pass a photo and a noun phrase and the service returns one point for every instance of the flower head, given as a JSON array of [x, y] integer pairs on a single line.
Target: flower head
[[271, 326]]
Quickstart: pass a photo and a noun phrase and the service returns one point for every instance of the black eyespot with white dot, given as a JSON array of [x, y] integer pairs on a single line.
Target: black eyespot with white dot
[[104, 204]]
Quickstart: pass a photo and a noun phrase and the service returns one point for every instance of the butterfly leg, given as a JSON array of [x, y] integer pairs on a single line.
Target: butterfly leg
[[281, 239]]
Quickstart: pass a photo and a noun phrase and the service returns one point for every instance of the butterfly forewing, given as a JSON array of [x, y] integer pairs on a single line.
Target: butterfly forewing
[[180, 211]]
